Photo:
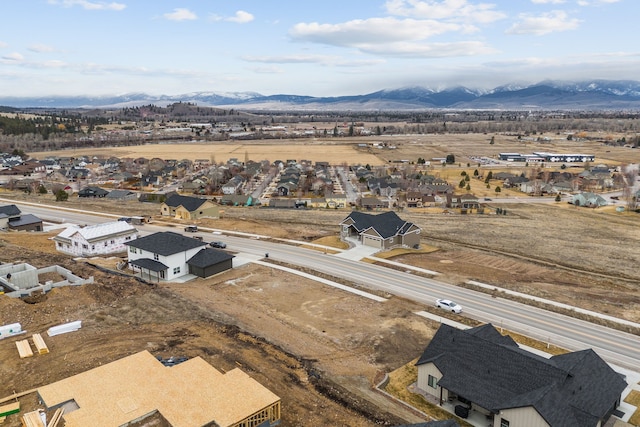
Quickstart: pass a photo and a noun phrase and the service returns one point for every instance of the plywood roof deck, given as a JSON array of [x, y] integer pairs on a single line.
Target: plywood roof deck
[[188, 394]]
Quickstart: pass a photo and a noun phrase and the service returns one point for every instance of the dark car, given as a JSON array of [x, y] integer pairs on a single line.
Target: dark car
[[191, 228], [125, 219], [218, 244]]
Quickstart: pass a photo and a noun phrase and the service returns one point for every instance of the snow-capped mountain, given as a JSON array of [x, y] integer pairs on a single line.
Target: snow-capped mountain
[[546, 95]]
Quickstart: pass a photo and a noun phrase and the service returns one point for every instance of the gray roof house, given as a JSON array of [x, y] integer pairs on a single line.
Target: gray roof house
[[487, 372], [383, 231], [168, 256], [590, 200], [11, 217]]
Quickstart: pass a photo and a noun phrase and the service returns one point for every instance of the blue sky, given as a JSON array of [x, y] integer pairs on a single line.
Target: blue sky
[[318, 48]]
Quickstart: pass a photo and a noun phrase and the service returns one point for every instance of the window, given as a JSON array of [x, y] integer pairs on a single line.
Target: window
[[156, 257], [433, 381], [75, 243], [132, 250], [176, 270], [93, 247], [113, 241], [85, 246], [504, 423]]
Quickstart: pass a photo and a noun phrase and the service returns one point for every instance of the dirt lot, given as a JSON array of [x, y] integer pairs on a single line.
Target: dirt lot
[[318, 348]]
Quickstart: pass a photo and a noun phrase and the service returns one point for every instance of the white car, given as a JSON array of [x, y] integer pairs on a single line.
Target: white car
[[448, 305]]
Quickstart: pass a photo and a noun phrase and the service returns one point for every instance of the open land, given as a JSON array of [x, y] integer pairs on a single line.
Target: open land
[[319, 348]]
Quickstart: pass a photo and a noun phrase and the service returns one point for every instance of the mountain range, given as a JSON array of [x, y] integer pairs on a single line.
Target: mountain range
[[548, 95]]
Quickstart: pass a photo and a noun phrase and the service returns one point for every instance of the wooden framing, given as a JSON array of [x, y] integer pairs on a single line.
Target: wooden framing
[[24, 348], [41, 346]]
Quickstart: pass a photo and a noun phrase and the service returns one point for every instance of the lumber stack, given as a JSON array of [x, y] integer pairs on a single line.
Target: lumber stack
[[41, 346], [32, 419], [24, 349], [56, 417]]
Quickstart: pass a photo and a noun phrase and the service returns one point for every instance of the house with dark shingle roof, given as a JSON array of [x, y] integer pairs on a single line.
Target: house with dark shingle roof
[[383, 231], [168, 256], [92, 192], [185, 207], [13, 219], [491, 374]]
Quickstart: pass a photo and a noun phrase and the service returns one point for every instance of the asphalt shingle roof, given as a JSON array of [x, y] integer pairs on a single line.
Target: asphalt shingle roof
[[208, 257], [572, 390], [189, 203], [166, 243], [10, 210], [387, 224], [149, 264], [25, 220]]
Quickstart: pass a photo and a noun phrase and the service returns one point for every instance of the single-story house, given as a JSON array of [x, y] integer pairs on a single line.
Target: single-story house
[[589, 200], [383, 231], [372, 203], [139, 389], [92, 192], [186, 207], [121, 195], [99, 239], [487, 372], [27, 222], [168, 256]]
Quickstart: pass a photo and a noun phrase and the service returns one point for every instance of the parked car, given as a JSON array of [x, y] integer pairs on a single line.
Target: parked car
[[218, 244], [448, 305], [191, 228], [125, 219]]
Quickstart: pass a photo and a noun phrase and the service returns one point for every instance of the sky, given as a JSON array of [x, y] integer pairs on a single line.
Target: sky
[[315, 48]]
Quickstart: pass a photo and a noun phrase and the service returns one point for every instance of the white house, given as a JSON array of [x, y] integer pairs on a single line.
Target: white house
[[99, 239], [163, 256]]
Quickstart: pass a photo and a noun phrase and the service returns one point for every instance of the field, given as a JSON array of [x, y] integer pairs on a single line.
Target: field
[[322, 349], [340, 150]]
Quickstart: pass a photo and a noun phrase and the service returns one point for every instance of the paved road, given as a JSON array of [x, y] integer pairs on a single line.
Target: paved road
[[614, 346]]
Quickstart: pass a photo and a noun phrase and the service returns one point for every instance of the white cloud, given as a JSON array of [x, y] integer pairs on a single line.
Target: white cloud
[[241, 17], [430, 50], [451, 10], [370, 31], [3, 44], [595, 2], [314, 59], [548, 1], [40, 48], [545, 23], [13, 58], [392, 37], [89, 5], [180, 14]]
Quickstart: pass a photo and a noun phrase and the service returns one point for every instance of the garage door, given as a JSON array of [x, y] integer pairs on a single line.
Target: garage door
[[371, 241]]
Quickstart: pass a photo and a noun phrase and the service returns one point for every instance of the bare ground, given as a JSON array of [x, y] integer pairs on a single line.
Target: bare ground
[[318, 348]]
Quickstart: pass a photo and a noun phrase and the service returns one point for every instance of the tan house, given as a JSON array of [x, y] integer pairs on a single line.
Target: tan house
[[139, 388], [480, 370], [185, 207], [384, 231]]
